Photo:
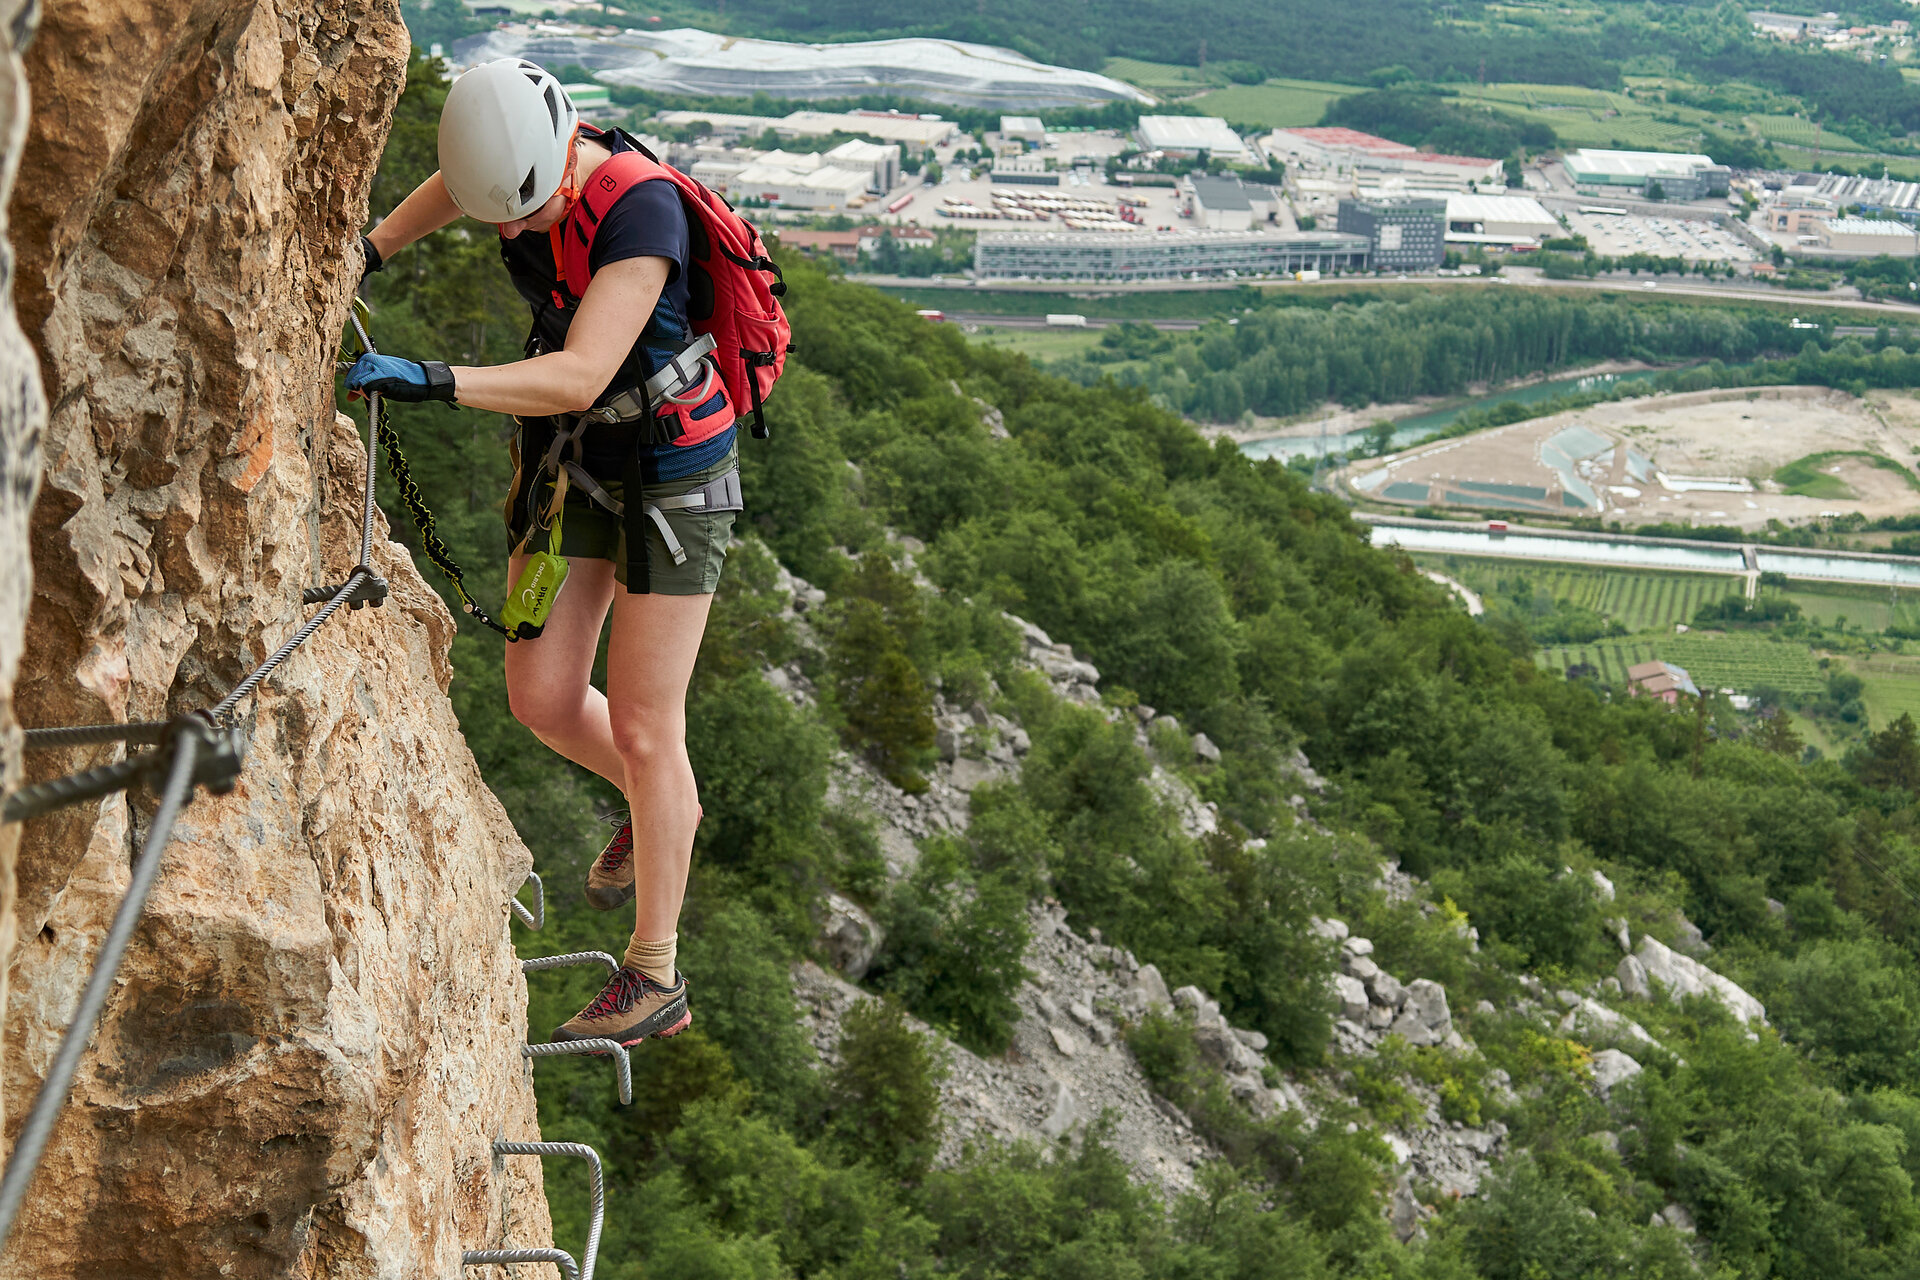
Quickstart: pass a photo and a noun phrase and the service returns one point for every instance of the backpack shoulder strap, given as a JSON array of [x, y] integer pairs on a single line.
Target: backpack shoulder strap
[[614, 178]]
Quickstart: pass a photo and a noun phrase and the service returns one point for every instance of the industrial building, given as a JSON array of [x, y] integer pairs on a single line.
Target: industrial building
[[1403, 233], [1024, 171], [723, 168], [1888, 196], [1616, 173], [1508, 220], [880, 158], [1023, 129], [919, 132], [1371, 161], [1228, 204], [1188, 136], [1869, 237], [588, 97], [1162, 255], [827, 188], [707, 63]]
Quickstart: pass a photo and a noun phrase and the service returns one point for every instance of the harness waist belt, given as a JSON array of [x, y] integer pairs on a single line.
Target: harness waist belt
[[722, 493], [687, 376]]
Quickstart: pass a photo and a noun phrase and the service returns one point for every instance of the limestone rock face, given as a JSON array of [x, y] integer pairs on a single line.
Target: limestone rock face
[[314, 1039], [23, 415]]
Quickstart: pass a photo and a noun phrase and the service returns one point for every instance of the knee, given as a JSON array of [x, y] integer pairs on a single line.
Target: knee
[[542, 711], [646, 739]]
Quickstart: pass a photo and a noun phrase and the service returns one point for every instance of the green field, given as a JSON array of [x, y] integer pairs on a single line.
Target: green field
[[1549, 95], [1869, 609], [1810, 476], [1158, 77], [1277, 104], [1742, 663], [1798, 131], [1040, 344], [1892, 686], [1638, 601], [1591, 117]]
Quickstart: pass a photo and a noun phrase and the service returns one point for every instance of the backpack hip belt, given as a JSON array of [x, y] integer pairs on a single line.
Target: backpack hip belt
[[689, 378]]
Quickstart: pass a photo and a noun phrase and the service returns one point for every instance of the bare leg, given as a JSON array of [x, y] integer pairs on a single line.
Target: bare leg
[[649, 664], [549, 679]]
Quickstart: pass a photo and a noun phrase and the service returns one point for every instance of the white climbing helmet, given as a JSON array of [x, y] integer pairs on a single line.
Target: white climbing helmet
[[504, 136]]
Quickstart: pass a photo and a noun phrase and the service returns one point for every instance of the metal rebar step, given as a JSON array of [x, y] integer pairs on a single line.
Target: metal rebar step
[[535, 917], [597, 1210]]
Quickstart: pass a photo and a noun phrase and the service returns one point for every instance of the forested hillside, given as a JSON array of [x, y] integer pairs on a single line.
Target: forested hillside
[[1222, 591], [1276, 360]]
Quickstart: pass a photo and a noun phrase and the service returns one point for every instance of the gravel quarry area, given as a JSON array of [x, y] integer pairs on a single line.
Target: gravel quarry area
[[1704, 457]]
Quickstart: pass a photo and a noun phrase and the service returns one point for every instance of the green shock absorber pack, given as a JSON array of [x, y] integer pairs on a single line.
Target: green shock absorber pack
[[540, 582]]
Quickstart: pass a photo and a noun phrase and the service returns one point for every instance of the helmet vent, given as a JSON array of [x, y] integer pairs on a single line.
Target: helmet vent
[[526, 188], [553, 109]]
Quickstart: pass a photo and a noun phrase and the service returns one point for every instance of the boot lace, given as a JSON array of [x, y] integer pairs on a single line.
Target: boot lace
[[618, 995], [620, 848]]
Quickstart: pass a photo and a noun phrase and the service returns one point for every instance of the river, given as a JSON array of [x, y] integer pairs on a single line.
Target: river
[[1707, 557], [1415, 429]]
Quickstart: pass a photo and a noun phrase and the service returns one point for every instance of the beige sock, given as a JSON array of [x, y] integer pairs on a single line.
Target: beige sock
[[655, 959]]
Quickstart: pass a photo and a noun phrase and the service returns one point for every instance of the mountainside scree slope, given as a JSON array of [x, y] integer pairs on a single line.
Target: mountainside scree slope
[[315, 1037]]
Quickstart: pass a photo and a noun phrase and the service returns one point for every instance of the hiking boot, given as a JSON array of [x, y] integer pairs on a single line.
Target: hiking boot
[[610, 878], [630, 1008]]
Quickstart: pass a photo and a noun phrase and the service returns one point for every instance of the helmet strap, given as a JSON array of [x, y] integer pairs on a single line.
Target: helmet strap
[[556, 234]]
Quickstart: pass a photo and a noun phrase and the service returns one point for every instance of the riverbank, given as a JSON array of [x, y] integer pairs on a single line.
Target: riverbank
[[1335, 420]]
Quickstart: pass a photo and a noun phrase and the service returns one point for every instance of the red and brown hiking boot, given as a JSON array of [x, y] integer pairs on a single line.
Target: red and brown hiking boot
[[610, 878], [630, 1008]]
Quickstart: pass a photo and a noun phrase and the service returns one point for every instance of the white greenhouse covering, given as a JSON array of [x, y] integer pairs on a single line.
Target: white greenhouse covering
[[702, 62]]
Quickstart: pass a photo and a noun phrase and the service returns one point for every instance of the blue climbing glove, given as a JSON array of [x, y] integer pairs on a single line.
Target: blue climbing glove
[[406, 380]]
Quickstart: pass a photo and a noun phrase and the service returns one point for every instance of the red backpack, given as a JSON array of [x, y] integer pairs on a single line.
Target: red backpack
[[733, 287]]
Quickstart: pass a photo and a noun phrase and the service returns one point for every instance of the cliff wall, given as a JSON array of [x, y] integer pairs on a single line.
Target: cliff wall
[[23, 413], [314, 1039]]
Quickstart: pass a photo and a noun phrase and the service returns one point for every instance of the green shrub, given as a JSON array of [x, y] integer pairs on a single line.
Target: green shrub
[[884, 1096]]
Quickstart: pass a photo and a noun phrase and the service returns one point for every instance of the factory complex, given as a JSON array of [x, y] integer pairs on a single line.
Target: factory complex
[[1367, 160], [1653, 174], [1164, 255]]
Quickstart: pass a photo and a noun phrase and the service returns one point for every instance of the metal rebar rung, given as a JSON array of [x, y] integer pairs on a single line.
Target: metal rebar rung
[[622, 1064], [569, 960], [537, 916], [596, 1191], [489, 1257], [372, 590]]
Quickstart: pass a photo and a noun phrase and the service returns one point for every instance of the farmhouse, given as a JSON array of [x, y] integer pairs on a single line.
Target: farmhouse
[[1660, 680]]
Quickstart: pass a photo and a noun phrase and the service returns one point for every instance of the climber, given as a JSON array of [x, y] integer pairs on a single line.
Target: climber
[[606, 415]]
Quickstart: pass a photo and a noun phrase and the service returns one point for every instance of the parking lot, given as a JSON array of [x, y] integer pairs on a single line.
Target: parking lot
[[1696, 240]]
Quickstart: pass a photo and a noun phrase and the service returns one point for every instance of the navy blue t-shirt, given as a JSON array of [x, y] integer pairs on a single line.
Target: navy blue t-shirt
[[647, 221]]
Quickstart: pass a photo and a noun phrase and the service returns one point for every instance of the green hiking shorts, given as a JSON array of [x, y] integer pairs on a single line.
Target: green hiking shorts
[[588, 531]]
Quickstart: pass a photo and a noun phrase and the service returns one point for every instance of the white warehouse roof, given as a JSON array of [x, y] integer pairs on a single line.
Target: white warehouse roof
[[1636, 164], [1869, 227], [1524, 210], [1192, 133], [703, 62]]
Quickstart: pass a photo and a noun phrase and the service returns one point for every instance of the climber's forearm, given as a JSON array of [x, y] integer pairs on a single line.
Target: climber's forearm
[[424, 212], [558, 382]]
